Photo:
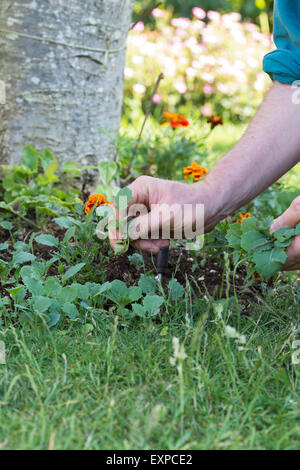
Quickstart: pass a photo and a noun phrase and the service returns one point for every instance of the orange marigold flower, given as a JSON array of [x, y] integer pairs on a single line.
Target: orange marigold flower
[[175, 120], [95, 200], [215, 120], [243, 217], [195, 170]]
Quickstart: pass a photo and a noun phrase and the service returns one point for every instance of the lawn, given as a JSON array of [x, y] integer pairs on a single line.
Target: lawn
[[115, 388]]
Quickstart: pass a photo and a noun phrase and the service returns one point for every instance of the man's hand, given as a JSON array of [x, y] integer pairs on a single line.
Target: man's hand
[[290, 218], [149, 192]]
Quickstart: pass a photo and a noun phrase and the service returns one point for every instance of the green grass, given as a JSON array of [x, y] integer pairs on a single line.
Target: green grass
[[116, 388]]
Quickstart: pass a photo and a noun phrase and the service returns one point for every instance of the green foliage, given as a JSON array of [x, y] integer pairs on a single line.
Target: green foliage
[[248, 8], [263, 252], [36, 188]]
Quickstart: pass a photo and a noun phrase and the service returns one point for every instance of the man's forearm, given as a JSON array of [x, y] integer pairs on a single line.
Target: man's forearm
[[267, 150]]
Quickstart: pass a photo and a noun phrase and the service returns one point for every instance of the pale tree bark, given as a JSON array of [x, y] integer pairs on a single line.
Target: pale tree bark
[[64, 92]]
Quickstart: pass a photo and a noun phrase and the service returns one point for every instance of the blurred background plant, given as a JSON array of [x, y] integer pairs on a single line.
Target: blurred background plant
[[250, 9], [212, 63]]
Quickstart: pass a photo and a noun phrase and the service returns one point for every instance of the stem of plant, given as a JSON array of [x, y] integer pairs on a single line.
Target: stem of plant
[[159, 78], [145, 14]]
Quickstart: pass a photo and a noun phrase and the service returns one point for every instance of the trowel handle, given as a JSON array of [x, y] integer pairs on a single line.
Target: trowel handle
[[162, 260]]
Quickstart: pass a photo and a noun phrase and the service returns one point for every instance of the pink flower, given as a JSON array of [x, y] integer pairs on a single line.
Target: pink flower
[[157, 98], [222, 88], [206, 110], [180, 22], [139, 27], [138, 88], [208, 89], [159, 13], [199, 13], [180, 86], [214, 16]]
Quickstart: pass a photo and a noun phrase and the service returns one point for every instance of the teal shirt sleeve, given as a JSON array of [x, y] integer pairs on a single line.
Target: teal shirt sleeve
[[283, 64]]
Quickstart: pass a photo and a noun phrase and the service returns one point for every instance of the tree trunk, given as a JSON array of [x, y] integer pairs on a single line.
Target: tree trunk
[[63, 92]]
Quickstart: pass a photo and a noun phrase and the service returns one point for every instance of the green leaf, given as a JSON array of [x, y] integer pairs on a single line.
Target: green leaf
[[147, 284], [35, 287], [108, 170], [30, 159], [15, 290], [21, 258], [134, 293], [251, 239], [152, 304], [83, 291], [233, 236], [297, 229], [71, 311], [3, 246], [6, 225], [284, 234], [248, 224], [123, 198], [66, 222], [51, 169], [176, 290], [139, 310], [118, 288], [269, 262], [46, 157], [72, 271], [48, 240], [68, 294], [41, 304], [73, 169], [53, 319], [69, 234], [52, 287]]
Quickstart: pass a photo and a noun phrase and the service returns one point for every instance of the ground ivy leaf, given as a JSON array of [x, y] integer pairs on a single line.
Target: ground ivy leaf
[[251, 239], [248, 224], [269, 262]]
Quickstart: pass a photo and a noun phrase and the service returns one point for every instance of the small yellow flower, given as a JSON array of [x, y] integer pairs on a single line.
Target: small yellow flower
[[95, 200], [195, 170], [243, 217]]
